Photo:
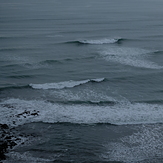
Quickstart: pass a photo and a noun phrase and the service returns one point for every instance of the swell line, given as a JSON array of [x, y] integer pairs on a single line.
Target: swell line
[[14, 87], [78, 102], [65, 84]]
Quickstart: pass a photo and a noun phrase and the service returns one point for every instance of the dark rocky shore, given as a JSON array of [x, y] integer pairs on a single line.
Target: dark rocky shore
[[11, 137], [3, 143], [8, 139]]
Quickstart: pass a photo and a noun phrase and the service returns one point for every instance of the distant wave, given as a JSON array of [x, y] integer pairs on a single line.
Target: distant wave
[[12, 37], [9, 49], [80, 102], [158, 52], [11, 65], [17, 111], [14, 87], [98, 41], [14, 48], [64, 84], [50, 62], [61, 61], [20, 76]]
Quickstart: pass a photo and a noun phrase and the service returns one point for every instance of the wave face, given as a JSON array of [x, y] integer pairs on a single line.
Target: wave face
[[16, 112], [129, 56], [98, 41], [64, 84]]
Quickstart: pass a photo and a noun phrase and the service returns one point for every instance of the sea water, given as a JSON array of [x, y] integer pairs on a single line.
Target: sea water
[[81, 81]]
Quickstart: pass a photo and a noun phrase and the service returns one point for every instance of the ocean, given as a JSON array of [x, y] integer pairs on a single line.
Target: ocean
[[81, 81]]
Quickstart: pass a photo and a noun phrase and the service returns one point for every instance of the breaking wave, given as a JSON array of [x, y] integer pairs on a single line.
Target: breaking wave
[[98, 41], [16, 112], [64, 84]]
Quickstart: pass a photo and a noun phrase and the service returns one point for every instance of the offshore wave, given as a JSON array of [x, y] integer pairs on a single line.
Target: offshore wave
[[61, 61], [9, 49], [64, 84], [15, 49], [79, 102], [20, 76], [98, 41], [11, 65], [49, 62], [158, 52], [14, 87], [12, 37], [16, 112]]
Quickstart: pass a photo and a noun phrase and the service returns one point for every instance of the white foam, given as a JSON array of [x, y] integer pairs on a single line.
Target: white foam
[[26, 157], [144, 145], [64, 84], [129, 56], [17, 112], [85, 94], [101, 41]]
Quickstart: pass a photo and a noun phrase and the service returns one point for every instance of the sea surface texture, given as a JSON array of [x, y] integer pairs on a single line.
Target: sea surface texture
[[81, 81]]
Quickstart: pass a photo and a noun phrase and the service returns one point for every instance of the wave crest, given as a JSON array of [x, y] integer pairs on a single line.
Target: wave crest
[[64, 84], [98, 41]]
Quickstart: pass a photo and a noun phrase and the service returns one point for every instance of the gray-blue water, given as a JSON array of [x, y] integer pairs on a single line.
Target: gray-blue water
[[85, 78]]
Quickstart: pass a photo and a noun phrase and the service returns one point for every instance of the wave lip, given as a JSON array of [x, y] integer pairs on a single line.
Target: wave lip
[[64, 84], [99, 41]]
